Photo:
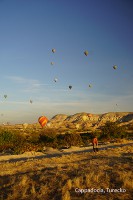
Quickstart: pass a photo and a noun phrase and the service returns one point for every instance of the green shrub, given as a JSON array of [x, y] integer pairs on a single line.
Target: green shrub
[[112, 130], [9, 140]]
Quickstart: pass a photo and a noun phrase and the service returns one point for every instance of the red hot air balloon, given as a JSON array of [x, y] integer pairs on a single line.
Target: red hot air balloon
[[43, 121]]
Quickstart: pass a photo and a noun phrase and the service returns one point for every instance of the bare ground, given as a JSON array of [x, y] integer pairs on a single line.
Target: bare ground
[[56, 175]]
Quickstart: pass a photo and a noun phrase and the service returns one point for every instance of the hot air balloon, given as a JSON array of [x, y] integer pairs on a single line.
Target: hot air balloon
[[70, 87], [25, 125], [115, 66], [90, 85], [5, 96], [55, 80], [52, 63], [53, 50], [86, 53], [43, 121], [31, 101], [48, 124]]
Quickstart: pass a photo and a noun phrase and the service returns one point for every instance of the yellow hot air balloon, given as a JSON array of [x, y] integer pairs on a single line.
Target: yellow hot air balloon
[[86, 53], [43, 121], [115, 66]]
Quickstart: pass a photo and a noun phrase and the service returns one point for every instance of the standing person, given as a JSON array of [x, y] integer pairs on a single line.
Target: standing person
[[95, 144]]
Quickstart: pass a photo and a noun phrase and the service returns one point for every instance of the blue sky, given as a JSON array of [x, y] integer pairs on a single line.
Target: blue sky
[[30, 29]]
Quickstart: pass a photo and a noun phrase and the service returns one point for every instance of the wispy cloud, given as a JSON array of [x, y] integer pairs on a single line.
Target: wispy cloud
[[22, 80], [29, 84]]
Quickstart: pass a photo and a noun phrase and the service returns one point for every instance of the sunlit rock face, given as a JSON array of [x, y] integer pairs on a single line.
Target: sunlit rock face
[[87, 120]]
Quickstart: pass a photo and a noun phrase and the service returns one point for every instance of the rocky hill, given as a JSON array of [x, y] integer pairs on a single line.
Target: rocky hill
[[89, 120]]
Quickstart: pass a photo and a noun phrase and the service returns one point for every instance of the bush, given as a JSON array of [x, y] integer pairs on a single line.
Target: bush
[[72, 139], [111, 130], [9, 140]]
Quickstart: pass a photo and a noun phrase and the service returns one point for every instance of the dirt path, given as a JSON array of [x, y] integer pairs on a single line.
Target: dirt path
[[56, 153]]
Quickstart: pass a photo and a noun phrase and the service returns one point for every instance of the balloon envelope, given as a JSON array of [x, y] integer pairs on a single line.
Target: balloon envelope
[[43, 121], [53, 50], [86, 53], [5, 96], [55, 80], [70, 87], [115, 66]]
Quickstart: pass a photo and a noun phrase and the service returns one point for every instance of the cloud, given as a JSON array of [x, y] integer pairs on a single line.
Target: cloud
[[22, 80]]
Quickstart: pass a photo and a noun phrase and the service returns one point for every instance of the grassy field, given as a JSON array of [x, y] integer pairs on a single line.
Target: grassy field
[[82, 176]]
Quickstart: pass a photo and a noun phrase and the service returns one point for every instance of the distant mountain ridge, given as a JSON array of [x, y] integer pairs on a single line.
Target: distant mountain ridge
[[85, 120]]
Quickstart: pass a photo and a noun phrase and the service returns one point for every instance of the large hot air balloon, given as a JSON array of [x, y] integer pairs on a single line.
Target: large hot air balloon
[[115, 66], [70, 87], [86, 53], [43, 121], [53, 50]]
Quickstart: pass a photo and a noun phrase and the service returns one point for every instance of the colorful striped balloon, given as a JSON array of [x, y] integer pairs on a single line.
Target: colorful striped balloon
[[43, 121]]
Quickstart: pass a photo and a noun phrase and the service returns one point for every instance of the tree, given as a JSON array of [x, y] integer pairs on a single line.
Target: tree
[[112, 130]]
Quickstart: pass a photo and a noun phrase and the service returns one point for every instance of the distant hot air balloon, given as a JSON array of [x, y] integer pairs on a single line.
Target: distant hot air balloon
[[55, 80], [86, 53], [48, 124], [70, 87], [43, 121], [53, 50], [25, 125], [52, 63], [90, 86], [31, 101], [115, 66], [5, 96]]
